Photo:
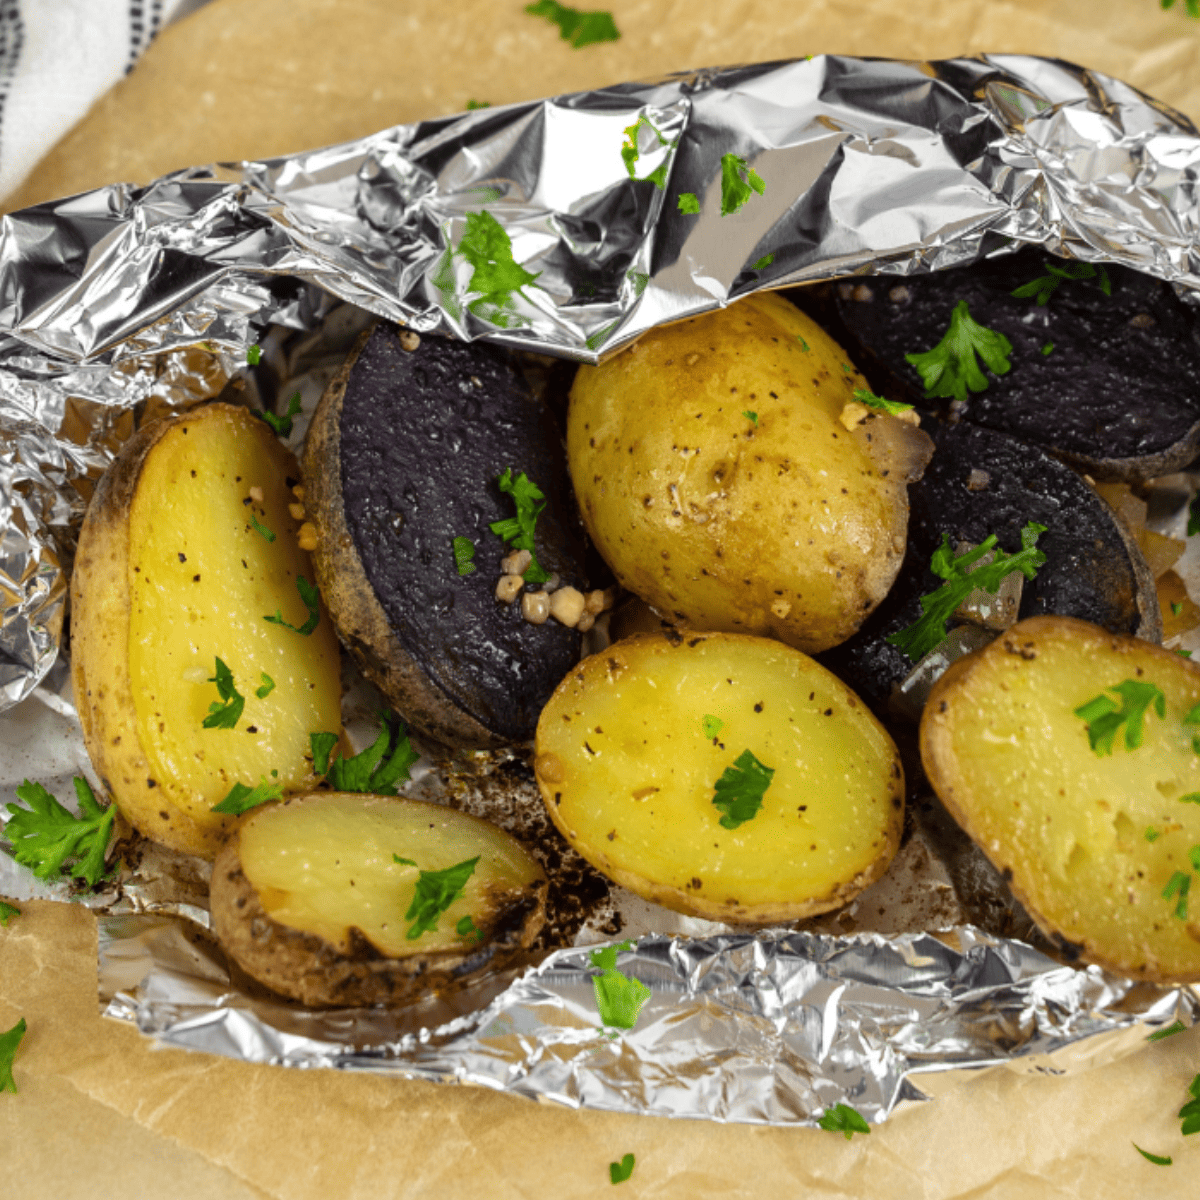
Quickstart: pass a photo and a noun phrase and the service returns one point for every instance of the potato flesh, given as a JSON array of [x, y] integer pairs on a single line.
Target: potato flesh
[[202, 579], [629, 775], [1014, 763], [326, 865]]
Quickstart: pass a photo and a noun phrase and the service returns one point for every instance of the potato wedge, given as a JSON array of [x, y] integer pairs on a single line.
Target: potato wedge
[[307, 896], [172, 574], [1097, 845], [632, 745]]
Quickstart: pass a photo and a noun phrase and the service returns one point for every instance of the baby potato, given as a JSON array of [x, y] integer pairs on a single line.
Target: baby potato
[[721, 479], [643, 747]]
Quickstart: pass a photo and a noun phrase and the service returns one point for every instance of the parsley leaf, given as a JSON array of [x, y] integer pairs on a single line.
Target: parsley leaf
[[630, 152], [752, 417], [1194, 516], [712, 726], [579, 28], [873, 401], [474, 104], [267, 686], [1044, 286], [260, 527], [1190, 1112], [435, 892], [466, 927], [1193, 6], [764, 262], [7, 912], [619, 1172], [254, 355], [407, 862], [495, 277], [1152, 834], [738, 179], [8, 1049], [1158, 1160], [688, 204], [312, 601], [937, 607], [225, 713], [1179, 884], [282, 425], [618, 997], [1104, 718], [740, 790], [464, 553], [518, 531], [950, 368], [241, 798], [45, 834], [1169, 1031], [1048, 349], [377, 769], [841, 1118]]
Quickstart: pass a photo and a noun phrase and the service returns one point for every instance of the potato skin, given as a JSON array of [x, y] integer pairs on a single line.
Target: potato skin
[[789, 525], [305, 967]]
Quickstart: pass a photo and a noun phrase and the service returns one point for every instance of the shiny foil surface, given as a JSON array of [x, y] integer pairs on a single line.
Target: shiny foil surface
[[123, 302]]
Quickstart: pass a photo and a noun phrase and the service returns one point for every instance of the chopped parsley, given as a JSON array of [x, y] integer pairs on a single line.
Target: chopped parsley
[[738, 180], [518, 531], [1193, 6], [226, 712], [1192, 717], [254, 355], [803, 343], [950, 368], [464, 554], [579, 28], [1193, 526], [377, 769], [630, 152], [495, 276], [712, 725], [7, 912], [688, 204], [937, 607], [738, 794], [1104, 717], [894, 407], [1184, 653], [8, 1051], [266, 687], [1179, 885], [752, 417], [619, 1172], [241, 798], [474, 104], [282, 425], [467, 928], [312, 601], [435, 892], [1042, 288], [618, 997], [764, 262], [1176, 609], [1159, 1160], [1170, 1031], [260, 527], [1152, 834], [1190, 798], [1048, 349], [1190, 1112], [841, 1118], [45, 835]]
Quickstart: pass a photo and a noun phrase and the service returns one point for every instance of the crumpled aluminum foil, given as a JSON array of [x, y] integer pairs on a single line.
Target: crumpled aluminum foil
[[120, 302]]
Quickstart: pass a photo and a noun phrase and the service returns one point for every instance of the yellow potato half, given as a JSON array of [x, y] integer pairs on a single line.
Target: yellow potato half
[[170, 575], [717, 478], [632, 744], [1098, 846]]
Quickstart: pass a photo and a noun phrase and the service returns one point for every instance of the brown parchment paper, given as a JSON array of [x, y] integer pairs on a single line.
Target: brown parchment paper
[[100, 1112]]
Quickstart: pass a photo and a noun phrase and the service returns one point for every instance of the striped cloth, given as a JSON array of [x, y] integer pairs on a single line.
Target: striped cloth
[[57, 58]]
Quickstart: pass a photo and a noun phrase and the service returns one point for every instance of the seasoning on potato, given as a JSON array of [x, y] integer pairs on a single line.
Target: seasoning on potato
[[344, 898], [199, 654], [724, 776], [1070, 755], [791, 524]]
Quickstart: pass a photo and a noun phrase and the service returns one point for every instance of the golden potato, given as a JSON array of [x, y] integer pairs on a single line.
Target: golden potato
[[633, 744], [1101, 844], [308, 898], [172, 574], [718, 477]]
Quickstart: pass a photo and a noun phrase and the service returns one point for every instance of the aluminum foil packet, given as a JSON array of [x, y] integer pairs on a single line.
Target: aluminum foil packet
[[570, 226]]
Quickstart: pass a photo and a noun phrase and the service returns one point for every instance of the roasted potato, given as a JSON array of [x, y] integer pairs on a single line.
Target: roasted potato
[[719, 480], [308, 898], [172, 574], [1100, 845], [632, 745]]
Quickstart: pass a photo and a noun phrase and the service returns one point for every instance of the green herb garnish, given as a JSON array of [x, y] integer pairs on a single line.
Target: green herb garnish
[[260, 527], [467, 928], [8, 1051], [1194, 516], [254, 355], [1157, 1159], [619, 1172], [937, 607], [495, 275], [740, 790], [7, 912], [950, 368], [1152, 834], [618, 997], [1190, 1112], [226, 712], [803, 344], [312, 601], [45, 834], [1184, 653], [518, 531], [1044, 286], [1048, 349], [282, 425], [464, 553], [1169, 1031], [1193, 6], [266, 687], [738, 180], [1190, 798], [1178, 885], [688, 204], [752, 417], [630, 152], [894, 407], [435, 892], [474, 104], [241, 798], [579, 28], [765, 261], [712, 726], [377, 769], [1104, 717], [841, 1118]]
